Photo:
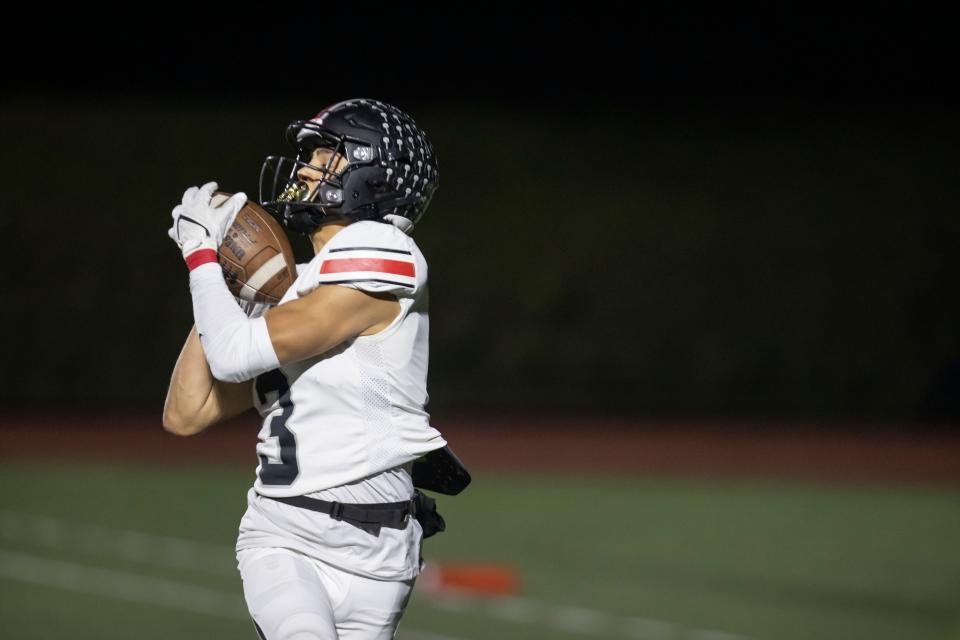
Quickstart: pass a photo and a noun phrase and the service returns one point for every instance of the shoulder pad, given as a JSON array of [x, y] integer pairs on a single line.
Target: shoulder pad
[[370, 256]]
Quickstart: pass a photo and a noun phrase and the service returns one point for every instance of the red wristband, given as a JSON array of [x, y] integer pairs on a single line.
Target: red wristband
[[199, 257]]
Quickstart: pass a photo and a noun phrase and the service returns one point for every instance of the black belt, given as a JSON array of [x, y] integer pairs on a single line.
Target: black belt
[[368, 516]]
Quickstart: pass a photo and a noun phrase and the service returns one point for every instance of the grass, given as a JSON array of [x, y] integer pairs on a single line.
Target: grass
[[771, 560]]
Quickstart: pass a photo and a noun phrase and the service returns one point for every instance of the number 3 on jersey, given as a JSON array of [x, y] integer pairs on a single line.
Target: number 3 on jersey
[[285, 471]]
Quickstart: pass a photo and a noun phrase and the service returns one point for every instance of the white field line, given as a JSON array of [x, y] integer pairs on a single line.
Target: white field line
[[129, 587], [120, 585], [573, 620], [134, 546], [181, 553]]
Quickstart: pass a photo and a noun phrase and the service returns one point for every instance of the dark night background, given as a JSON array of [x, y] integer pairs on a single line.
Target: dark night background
[[679, 212]]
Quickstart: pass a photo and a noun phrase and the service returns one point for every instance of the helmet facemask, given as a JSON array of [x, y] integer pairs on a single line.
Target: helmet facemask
[[301, 191]]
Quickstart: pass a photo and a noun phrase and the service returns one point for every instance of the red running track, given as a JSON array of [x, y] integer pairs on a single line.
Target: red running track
[[811, 451]]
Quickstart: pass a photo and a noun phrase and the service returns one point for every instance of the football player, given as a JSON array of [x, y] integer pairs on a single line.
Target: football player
[[329, 546]]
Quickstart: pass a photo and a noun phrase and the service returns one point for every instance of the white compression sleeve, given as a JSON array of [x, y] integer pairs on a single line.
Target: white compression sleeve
[[238, 348]]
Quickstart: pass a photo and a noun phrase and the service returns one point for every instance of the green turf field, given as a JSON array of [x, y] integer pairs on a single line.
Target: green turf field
[[94, 552]]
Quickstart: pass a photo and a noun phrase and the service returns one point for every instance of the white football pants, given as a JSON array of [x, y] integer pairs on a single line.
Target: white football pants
[[294, 597]]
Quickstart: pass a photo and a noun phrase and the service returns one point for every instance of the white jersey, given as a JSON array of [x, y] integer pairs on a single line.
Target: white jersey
[[347, 425], [358, 409]]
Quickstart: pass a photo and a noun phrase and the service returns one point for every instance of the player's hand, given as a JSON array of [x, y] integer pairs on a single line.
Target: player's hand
[[198, 227]]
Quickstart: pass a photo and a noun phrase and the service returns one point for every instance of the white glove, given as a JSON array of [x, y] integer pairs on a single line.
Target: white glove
[[198, 228]]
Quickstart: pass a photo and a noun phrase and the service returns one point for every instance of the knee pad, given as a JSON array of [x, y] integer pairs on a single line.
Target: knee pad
[[305, 625]]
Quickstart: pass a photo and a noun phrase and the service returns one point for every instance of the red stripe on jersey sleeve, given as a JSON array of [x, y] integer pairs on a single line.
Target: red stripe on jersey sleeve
[[396, 267]]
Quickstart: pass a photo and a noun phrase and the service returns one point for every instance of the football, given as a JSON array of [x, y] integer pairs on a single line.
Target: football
[[256, 255]]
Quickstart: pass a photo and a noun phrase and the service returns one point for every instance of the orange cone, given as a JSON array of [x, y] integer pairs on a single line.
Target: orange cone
[[479, 579]]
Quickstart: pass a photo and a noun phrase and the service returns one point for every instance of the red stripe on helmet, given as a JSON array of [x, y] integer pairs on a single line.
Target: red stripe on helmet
[[320, 115]]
